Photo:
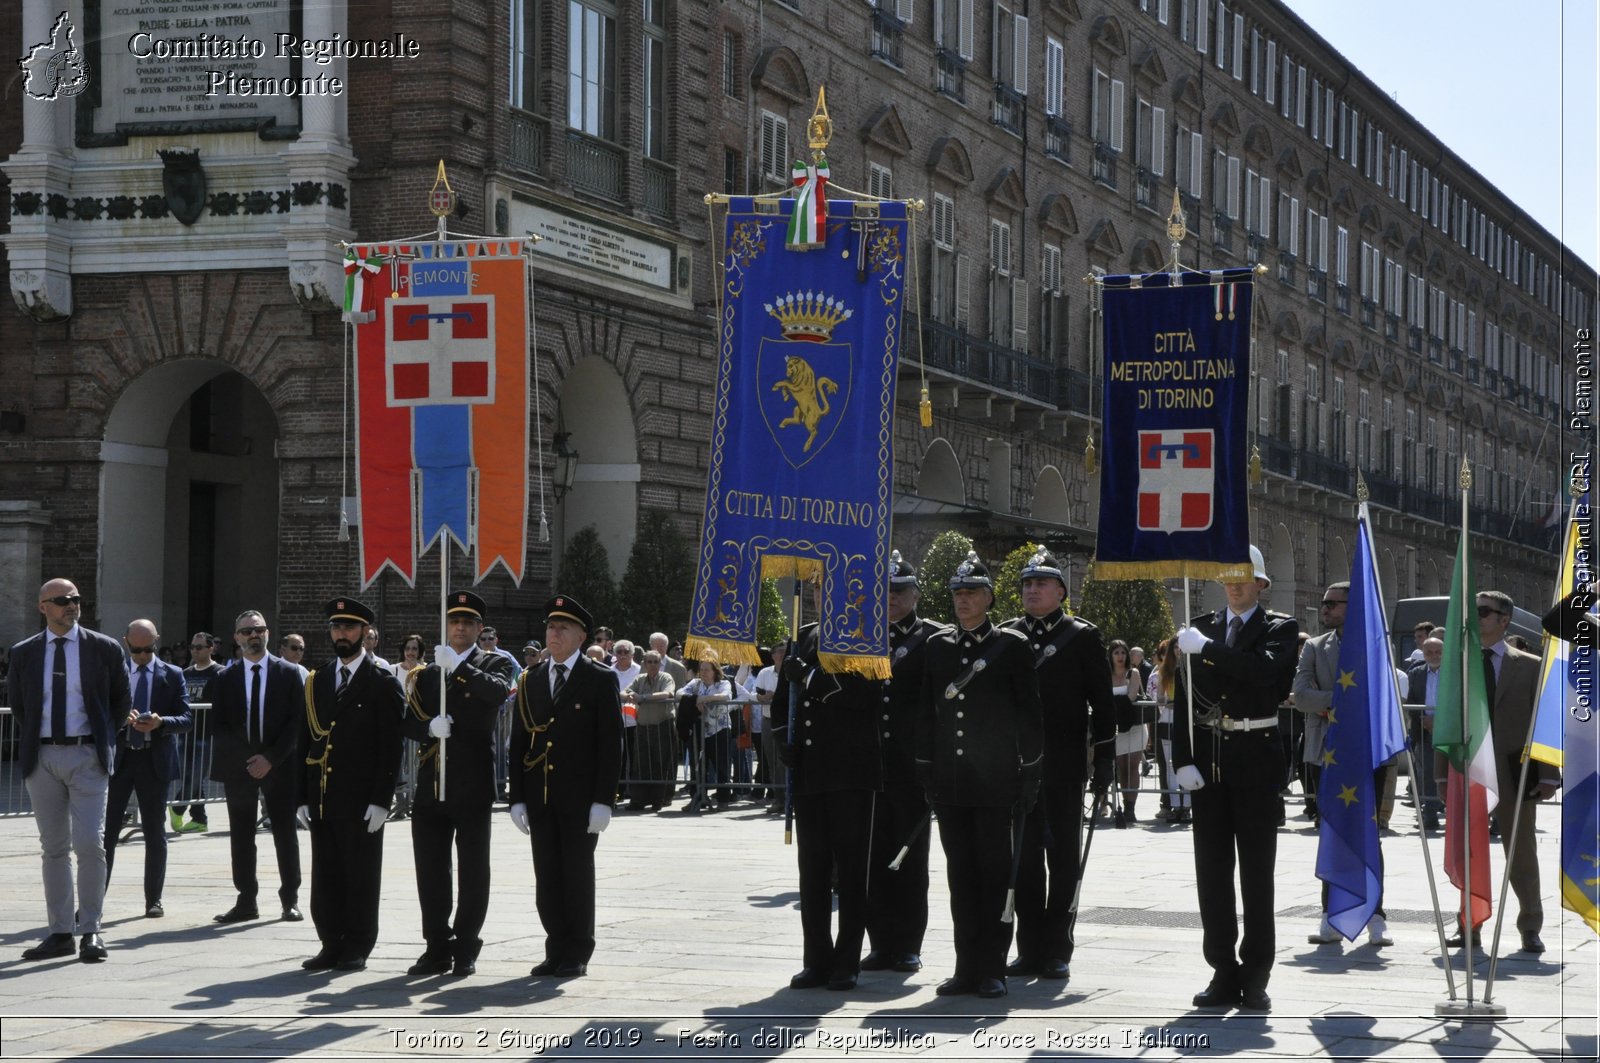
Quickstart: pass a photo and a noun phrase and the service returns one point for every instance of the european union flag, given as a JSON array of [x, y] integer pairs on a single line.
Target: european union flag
[[1364, 730]]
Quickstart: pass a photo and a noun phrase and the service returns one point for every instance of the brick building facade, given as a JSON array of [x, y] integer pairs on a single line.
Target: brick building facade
[[178, 390]]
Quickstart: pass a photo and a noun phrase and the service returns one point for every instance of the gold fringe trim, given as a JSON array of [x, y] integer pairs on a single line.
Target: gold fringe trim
[[778, 566], [1212, 570], [866, 667], [724, 651]]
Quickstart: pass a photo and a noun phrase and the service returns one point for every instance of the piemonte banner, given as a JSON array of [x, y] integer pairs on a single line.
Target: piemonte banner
[[1177, 381], [441, 402], [802, 434]]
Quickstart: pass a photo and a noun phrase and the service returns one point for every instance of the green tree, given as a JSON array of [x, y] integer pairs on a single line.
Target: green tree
[[658, 585], [949, 549], [1135, 610], [586, 576], [772, 622]]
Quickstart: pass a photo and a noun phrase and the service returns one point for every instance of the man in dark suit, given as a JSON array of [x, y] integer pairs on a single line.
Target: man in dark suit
[[147, 756], [68, 692], [980, 747], [1243, 661], [256, 707], [1511, 681], [348, 786], [477, 682], [1080, 727], [897, 901], [566, 755], [835, 770]]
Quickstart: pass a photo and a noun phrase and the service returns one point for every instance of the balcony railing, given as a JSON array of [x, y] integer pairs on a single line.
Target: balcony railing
[[1436, 350], [595, 166], [1383, 491], [1453, 359], [1222, 232], [950, 74], [1488, 522], [1010, 108], [1417, 502], [1057, 137], [1324, 472], [1414, 339], [529, 135], [1341, 299], [989, 364], [1286, 264], [660, 189], [1145, 186], [1078, 392], [1369, 314], [888, 37], [1105, 165], [1277, 455], [1391, 326], [1317, 284]]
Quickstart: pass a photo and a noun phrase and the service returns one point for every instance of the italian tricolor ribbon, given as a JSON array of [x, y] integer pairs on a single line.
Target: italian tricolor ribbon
[[809, 223], [360, 298]]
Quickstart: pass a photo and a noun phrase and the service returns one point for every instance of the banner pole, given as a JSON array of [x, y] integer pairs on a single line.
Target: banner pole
[[1188, 665], [444, 639]]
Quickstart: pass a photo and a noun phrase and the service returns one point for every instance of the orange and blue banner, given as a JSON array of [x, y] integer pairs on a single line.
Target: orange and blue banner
[[442, 405]]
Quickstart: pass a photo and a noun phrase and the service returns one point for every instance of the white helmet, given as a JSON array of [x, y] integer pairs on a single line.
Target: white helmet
[[1259, 563]]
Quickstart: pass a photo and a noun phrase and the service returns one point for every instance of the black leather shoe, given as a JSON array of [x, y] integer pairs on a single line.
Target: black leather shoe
[[572, 970], [1217, 995], [991, 987], [808, 978], [840, 982], [876, 960], [1255, 1000], [1458, 941], [908, 963], [237, 914], [1021, 966], [352, 963], [325, 960], [1531, 943], [1053, 968], [91, 949], [957, 987], [430, 963], [463, 967], [52, 947], [545, 969], [154, 911], [291, 914]]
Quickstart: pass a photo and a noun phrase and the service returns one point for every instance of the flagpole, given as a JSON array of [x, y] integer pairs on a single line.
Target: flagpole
[[1188, 665], [1511, 853], [444, 639]]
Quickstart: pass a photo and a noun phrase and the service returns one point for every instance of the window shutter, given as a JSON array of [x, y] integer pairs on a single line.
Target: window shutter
[[938, 23], [769, 141], [1238, 48], [1019, 54], [1202, 25], [1341, 254], [1266, 209], [1116, 115], [903, 10], [1050, 269], [1019, 314], [964, 42], [1221, 41], [1272, 72], [1322, 244], [1233, 186], [1196, 155], [1158, 141], [963, 291], [1054, 56]]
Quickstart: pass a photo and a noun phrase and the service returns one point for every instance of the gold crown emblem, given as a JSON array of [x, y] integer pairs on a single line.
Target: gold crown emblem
[[809, 316]]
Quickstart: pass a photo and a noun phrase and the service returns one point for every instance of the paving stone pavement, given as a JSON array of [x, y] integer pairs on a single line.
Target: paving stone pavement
[[698, 934]]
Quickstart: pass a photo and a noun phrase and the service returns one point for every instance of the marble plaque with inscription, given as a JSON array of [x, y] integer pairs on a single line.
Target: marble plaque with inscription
[[584, 242]]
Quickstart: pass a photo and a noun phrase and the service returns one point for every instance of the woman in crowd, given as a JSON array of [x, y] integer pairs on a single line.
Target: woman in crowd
[[1130, 733], [655, 751], [1163, 682], [711, 693]]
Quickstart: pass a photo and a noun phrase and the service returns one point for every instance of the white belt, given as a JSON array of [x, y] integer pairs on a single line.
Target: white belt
[[1261, 724]]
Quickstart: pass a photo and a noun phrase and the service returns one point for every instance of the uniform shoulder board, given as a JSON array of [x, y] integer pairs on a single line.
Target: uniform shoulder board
[[1013, 633], [1274, 615], [1014, 624], [945, 632]]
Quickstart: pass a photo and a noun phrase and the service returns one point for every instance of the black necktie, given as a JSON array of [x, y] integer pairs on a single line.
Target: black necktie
[[1488, 677], [344, 682], [141, 702], [255, 705], [561, 681], [58, 690], [1234, 624]]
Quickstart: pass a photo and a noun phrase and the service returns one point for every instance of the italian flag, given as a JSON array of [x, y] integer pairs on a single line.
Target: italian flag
[[361, 292], [1461, 732]]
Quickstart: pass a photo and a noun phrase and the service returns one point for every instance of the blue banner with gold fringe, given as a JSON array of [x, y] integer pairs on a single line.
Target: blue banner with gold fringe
[[1177, 384], [802, 435]]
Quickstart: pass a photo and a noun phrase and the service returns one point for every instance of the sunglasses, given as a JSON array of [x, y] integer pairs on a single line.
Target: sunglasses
[[487, 638], [1329, 603], [199, 645], [1487, 611], [140, 651], [64, 599], [252, 631]]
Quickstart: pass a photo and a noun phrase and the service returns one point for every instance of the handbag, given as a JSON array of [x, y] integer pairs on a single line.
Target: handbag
[[1127, 713]]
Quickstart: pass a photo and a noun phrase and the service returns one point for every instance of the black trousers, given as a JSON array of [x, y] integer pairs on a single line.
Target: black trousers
[[833, 830], [977, 851], [136, 774], [563, 871], [897, 901], [1050, 841], [280, 802], [435, 826], [346, 880], [1237, 822]]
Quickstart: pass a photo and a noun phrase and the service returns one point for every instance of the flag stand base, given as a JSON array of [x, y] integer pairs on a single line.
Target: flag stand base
[[1470, 1011]]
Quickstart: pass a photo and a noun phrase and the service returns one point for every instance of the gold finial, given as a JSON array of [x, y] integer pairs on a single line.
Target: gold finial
[[1177, 227], [925, 410], [820, 129], [1091, 460], [1465, 477], [441, 198], [1362, 494], [1256, 475]]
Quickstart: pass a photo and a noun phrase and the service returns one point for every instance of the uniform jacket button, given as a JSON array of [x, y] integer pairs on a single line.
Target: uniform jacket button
[[808, 741], [961, 734], [961, 752]]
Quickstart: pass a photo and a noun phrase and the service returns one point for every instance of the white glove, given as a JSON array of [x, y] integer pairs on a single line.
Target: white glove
[[446, 658], [375, 817], [302, 816], [599, 817], [519, 817], [1191, 641], [1189, 778], [439, 727]]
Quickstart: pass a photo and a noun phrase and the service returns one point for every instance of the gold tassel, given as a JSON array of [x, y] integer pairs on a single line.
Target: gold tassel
[[725, 651], [925, 409], [1091, 460], [867, 667], [1256, 475]]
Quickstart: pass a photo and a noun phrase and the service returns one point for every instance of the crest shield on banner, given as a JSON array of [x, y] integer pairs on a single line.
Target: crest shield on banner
[[1173, 487], [802, 457]]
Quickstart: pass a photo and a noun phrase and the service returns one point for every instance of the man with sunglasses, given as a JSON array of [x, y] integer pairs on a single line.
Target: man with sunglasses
[[147, 756], [69, 693], [255, 707]]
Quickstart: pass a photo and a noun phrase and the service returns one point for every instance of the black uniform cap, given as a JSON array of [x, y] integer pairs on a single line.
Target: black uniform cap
[[464, 603], [349, 609]]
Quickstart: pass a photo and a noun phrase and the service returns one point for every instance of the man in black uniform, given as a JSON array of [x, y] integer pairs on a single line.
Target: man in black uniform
[[1079, 727], [477, 682], [979, 747], [1243, 662], [566, 755], [835, 771], [351, 749], [897, 901]]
